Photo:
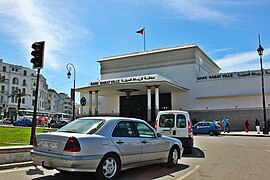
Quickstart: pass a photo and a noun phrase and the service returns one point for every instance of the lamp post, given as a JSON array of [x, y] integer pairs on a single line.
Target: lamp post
[[260, 52], [69, 65]]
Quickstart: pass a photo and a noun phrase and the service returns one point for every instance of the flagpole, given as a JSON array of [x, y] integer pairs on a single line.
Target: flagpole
[[142, 32], [144, 38]]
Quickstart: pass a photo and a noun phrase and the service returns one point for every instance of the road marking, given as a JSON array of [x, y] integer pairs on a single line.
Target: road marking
[[267, 151], [189, 173], [240, 144], [14, 169]]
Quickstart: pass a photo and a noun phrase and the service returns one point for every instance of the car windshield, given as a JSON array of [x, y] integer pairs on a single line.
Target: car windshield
[[83, 126]]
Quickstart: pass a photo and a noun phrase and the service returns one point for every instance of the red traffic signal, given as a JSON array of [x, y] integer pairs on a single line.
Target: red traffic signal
[[38, 53]]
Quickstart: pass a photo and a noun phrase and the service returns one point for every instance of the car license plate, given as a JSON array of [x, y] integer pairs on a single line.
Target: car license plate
[[166, 132], [50, 144]]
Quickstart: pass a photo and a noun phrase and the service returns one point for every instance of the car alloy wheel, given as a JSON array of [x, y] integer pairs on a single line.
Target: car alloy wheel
[[173, 157], [108, 167]]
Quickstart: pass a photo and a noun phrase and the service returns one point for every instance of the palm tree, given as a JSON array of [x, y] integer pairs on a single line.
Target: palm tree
[[18, 94]]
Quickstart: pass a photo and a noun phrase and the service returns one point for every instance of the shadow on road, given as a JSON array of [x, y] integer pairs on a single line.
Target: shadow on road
[[68, 176], [196, 153], [144, 173], [34, 171], [151, 172]]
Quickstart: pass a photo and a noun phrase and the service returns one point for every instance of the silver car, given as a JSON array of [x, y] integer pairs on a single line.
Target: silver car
[[104, 145]]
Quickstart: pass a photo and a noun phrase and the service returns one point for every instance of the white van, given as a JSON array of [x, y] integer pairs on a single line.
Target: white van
[[176, 124]]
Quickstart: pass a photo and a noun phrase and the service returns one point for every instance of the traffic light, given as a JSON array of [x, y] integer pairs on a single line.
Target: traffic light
[[38, 53]]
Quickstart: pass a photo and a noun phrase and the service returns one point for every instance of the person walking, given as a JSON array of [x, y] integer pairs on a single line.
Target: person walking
[[226, 124], [257, 125], [246, 125]]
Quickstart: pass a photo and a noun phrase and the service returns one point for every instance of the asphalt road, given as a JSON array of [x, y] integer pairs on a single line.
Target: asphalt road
[[222, 157]]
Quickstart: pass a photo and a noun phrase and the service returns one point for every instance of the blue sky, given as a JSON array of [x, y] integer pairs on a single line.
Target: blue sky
[[83, 31]]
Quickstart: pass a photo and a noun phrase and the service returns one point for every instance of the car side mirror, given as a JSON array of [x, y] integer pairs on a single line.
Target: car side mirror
[[159, 135]]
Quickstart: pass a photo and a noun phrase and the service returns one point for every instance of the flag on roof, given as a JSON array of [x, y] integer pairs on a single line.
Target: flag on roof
[[141, 31]]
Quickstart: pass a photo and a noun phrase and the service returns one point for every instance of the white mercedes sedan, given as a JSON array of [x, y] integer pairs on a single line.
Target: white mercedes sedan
[[104, 145]]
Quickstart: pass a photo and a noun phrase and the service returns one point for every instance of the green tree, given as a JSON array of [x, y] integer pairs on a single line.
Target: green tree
[[18, 95]]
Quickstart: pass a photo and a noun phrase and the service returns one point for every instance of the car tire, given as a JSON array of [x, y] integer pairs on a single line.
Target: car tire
[[173, 157], [211, 133], [108, 167]]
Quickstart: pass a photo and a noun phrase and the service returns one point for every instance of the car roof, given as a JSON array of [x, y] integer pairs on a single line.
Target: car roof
[[206, 122], [174, 111], [110, 123], [108, 118]]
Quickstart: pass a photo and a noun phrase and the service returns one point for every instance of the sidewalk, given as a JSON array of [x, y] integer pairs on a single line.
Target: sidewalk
[[243, 133]]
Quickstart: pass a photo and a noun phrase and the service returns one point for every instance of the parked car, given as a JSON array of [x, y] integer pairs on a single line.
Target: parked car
[[104, 145], [23, 122], [207, 127], [7, 121], [176, 124], [59, 124]]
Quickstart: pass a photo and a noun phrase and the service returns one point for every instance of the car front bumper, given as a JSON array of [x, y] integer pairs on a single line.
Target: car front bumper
[[66, 163]]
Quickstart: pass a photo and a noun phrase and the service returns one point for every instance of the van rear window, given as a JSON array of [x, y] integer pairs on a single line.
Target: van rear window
[[181, 121], [166, 120]]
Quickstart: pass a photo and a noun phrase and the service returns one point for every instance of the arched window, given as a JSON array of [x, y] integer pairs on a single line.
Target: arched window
[[15, 81]]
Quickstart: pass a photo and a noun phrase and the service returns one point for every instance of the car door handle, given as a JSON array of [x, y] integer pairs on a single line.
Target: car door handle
[[119, 142], [144, 141]]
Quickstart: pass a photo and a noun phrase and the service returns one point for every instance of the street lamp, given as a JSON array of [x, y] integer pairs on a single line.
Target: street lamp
[[260, 52], [69, 65]]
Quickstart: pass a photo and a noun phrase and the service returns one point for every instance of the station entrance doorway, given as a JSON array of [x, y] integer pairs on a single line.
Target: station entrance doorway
[[136, 106]]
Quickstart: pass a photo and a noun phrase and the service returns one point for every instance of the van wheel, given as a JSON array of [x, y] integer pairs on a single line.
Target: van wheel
[[211, 133], [173, 157]]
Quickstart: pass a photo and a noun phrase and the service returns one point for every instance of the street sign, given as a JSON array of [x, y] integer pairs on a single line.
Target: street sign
[[83, 101]]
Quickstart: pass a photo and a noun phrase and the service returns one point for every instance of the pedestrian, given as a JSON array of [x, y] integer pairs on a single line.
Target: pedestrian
[[257, 124], [226, 124], [194, 121], [246, 125]]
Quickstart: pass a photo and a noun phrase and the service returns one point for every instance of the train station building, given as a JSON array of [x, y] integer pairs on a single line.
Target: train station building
[[175, 78]]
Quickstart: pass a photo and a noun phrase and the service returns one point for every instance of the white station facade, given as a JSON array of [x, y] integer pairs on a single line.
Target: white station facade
[[176, 78]]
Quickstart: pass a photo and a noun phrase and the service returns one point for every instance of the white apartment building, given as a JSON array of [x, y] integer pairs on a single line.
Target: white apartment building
[[180, 78], [56, 102], [67, 103], [14, 77]]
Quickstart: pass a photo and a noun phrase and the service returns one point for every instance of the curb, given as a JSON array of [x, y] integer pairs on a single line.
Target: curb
[[249, 135], [16, 165]]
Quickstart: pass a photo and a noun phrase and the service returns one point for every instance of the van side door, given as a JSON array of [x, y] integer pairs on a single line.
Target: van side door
[[181, 125]]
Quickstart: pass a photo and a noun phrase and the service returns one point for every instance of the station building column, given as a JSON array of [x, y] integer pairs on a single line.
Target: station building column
[[90, 103], [96, 103], [156, 99], [149, 104]]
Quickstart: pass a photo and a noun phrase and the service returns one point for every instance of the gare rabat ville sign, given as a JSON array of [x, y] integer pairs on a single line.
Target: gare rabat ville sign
[[125, 80]]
